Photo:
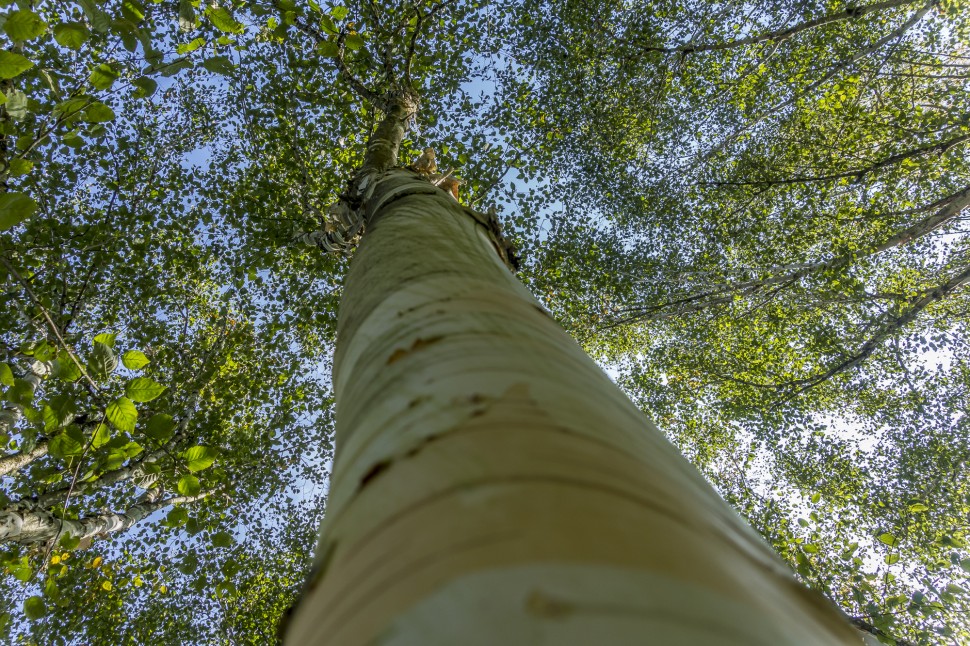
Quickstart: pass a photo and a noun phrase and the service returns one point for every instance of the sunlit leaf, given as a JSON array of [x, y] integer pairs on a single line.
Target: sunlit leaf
[[122, 414]]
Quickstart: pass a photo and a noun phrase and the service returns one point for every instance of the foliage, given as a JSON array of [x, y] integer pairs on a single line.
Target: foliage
[[756, 213], [774, 250]]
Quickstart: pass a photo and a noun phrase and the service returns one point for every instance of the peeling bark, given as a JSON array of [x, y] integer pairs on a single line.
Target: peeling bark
[[493, 486], [10, 415], [39, 370]]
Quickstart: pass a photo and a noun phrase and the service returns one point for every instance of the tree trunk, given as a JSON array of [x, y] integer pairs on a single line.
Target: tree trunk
[[42, 526], [493, 486], [11, 464]]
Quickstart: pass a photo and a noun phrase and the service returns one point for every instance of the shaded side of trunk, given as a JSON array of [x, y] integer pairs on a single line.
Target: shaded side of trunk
[[493, 486]]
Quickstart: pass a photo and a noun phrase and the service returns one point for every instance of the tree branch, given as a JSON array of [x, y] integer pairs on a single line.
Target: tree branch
[[780, 35]]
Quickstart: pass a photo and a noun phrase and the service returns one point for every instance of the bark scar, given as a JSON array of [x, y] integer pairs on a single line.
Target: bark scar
[[400, 353]]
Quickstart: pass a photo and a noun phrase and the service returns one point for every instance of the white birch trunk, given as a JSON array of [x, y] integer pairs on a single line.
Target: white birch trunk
[[11, 464], [31, 527], [493, 486]]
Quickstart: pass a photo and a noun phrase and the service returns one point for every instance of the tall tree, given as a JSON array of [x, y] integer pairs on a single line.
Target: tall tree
[[490, 473], [253, 115]]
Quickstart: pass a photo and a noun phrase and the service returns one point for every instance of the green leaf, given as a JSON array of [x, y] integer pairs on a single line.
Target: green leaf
[[20, 167], [887, 539], [15, 208], [45, 351], [354, 41], [122, 414], [98, 19], [58, 412], [222, 539], [69, 110], [34, 608], [134, 360], [113, 460], [71, 35], [146, 87], [339, 13], [133, 11], [66, 444], [328, 49], [22, 392], [24, 25], [107, 338], [65, 369], [160, 427], [103, 76], [223, 20], [6, 374], [219, 65], [22, 573], [189, 485], [917, 507], [177, 517], [102, 435], [17, 107], [191, 46], [198, 458], [132, 449], [891, 558], [12, 64], [328, 25], [97, 112], [147, 475], [226, 589], [174, 67], [143, 389], [102, 361], [187, 17]]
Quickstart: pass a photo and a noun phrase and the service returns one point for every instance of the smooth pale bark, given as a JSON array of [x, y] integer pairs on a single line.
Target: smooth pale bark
[[42, 526], [10, 464], [493, 486], [9, 417]]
